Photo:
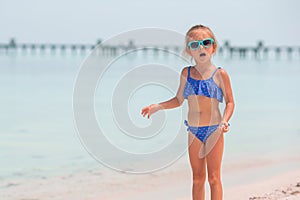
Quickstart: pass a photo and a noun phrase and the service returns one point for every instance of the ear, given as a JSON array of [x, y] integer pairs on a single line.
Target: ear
[[215, 46]]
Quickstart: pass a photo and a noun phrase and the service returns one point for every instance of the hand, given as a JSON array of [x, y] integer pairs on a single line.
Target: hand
[[151, 109], [225, 126]]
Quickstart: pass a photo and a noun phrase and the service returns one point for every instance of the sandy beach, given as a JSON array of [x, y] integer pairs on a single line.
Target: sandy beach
[[241, 181], [43, 158]]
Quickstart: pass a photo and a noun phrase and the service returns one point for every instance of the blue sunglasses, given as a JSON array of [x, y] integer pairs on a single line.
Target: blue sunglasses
[[206, 43]]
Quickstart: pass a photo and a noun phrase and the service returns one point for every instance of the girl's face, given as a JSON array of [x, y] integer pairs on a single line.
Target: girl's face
[[201, 54]]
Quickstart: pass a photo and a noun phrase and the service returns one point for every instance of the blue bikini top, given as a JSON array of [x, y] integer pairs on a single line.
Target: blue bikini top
[[207, 87]]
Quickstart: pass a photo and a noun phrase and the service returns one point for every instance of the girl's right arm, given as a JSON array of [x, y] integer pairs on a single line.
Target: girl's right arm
[[172, 103]]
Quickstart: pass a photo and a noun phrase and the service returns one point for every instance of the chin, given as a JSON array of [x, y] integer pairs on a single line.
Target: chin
[[204, 59]]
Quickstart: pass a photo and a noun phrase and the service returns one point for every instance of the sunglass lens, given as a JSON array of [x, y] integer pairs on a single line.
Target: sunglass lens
[[207, 42], [194, 45]]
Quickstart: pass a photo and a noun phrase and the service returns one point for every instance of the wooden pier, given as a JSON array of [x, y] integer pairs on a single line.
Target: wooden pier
[[257, 51]]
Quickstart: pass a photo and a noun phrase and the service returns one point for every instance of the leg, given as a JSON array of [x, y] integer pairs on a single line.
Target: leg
[[214, 159], [198, 167]]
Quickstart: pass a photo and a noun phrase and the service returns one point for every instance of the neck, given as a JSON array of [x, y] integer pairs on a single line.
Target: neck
[[203, 66]]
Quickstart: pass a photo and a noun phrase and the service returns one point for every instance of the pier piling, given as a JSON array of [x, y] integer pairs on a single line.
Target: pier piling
[[226, 50]]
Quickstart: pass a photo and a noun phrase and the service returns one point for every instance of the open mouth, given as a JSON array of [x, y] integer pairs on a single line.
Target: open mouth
[[202, 54]]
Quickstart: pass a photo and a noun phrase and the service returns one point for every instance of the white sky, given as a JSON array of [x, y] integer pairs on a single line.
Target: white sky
[[67, 21]]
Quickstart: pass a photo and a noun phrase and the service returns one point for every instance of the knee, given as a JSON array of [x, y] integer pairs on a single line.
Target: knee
[[199, 179], [214, 179]]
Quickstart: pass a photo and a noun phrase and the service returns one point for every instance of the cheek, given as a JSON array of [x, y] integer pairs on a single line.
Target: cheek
[[210, 50], [189, 52], [194, 53]]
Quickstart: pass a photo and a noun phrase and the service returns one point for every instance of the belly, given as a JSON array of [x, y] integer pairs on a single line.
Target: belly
[[203, 111]]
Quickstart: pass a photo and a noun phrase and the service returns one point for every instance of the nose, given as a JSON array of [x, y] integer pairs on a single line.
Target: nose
[[201, 46]]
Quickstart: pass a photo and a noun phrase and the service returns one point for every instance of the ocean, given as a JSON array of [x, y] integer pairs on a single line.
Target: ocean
[[39, 136]]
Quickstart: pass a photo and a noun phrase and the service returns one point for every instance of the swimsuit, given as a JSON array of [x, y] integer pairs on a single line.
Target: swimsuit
[[207, 88], [201, 132]]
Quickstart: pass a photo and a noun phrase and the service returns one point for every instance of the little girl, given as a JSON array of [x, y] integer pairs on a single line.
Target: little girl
[[204, 86]]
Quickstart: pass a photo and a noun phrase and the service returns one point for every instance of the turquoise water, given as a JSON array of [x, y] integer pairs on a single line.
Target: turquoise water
[[38, 136]]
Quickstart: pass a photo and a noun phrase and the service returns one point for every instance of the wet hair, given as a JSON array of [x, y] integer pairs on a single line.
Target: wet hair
[[191, 32]]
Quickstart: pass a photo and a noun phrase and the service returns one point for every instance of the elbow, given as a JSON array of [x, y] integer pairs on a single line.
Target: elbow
[[233, 105], [230, 104], [179, 100]]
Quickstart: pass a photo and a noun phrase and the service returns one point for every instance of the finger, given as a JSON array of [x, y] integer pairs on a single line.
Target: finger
[[144, 112], [222, 128]]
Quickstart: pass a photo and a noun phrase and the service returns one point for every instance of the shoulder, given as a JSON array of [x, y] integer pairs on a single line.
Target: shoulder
[[222, 72], [184, 71], [222, 75]]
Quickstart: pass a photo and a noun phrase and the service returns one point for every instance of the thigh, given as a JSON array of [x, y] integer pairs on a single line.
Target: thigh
[[214, 156], [198, 164]]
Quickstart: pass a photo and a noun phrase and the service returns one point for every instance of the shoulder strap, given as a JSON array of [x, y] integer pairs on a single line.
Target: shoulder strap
[[189, 71], [215, 71]]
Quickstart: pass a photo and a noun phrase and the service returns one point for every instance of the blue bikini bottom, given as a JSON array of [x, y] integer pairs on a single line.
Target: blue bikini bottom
[[201, 132]]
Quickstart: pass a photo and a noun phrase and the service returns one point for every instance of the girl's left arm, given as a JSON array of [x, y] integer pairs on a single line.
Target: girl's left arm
[[228, 96]]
